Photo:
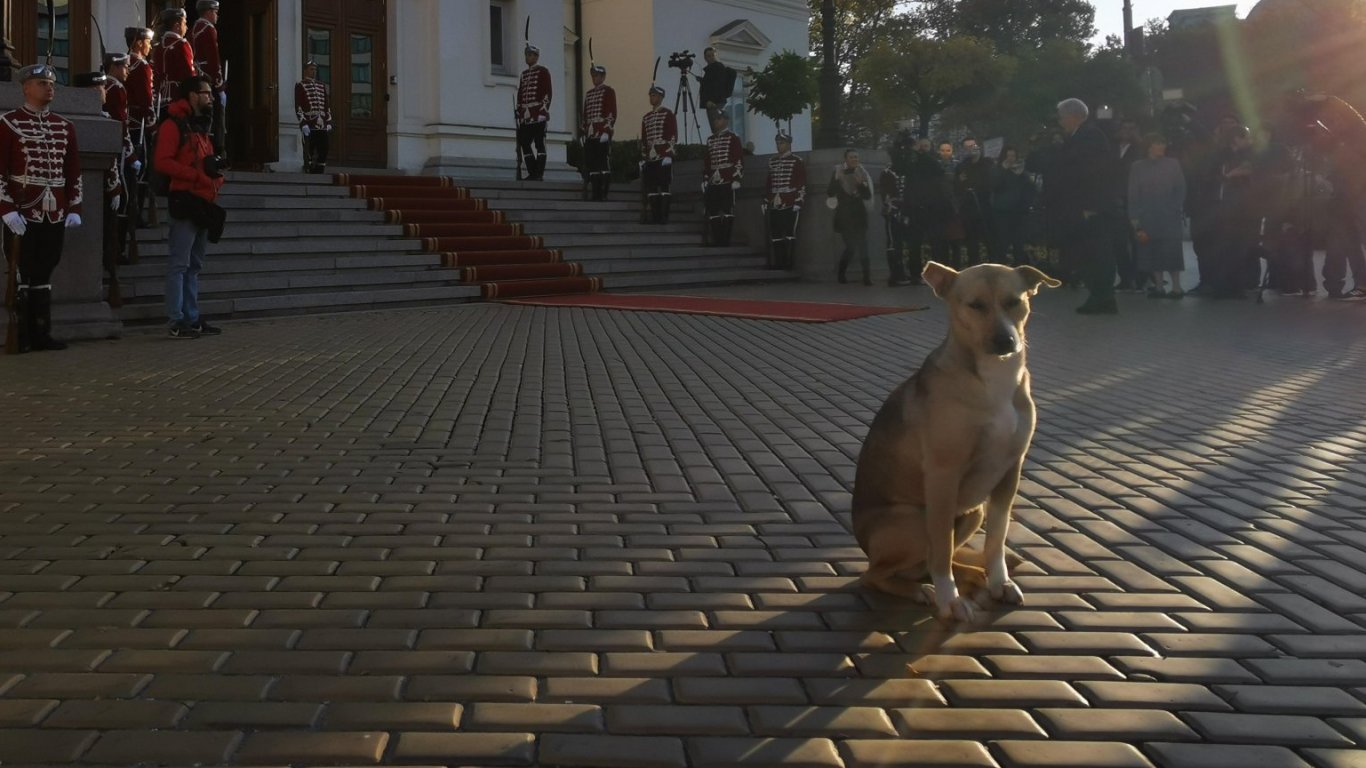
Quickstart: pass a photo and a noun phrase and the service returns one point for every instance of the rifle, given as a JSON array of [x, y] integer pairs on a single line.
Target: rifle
[[16, 301]]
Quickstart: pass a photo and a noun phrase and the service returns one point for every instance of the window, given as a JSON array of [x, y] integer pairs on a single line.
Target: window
[[501, 20], [320, 51], [362, 76], [735, 109]]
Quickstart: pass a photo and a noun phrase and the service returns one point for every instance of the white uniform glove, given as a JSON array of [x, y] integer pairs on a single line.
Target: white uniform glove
[[114, 203], [306, 130], [15, 221], [73, 220], [137, 166], [735, 184], [542, 118], [604, 138], [223, 98], [666, 162]]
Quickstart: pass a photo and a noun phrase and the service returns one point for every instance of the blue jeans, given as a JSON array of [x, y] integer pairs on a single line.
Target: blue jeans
[[187, 243]]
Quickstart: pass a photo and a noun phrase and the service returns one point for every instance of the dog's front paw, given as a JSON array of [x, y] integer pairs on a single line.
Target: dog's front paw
[[960, 609], [1008, 593]]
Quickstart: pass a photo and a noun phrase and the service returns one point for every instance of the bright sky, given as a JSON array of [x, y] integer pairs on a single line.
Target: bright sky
[[1110, 13]]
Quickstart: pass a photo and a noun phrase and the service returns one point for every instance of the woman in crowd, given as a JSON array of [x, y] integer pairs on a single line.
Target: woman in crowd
[[1157, 193]]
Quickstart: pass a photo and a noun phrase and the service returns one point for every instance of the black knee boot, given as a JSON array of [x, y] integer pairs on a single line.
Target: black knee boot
[[844, 266], [664, 202], [40, 313]]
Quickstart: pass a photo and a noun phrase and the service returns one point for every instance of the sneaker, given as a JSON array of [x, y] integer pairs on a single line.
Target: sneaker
[[204, 329], [1356, 294], [183, 331]]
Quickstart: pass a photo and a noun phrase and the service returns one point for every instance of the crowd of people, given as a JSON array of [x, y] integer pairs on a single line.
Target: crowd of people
[[1102, 204]]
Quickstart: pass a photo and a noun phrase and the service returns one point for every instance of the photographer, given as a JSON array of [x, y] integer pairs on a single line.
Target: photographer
[[717, 84], [851, 188], [184, 152]]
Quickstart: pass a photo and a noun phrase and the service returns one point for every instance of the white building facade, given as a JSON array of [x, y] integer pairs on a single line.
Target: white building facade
[[428, 85]]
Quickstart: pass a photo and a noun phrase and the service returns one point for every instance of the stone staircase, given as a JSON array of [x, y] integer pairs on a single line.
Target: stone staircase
[[608, 240], [298, 244]]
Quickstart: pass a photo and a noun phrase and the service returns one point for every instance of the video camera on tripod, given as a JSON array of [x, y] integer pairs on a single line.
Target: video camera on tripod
[[682, 61]]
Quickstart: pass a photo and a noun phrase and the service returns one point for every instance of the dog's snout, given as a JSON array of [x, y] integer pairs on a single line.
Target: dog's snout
[[1004, 342]]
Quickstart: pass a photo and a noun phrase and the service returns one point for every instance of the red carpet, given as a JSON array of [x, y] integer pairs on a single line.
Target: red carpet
[[498, 256], [400, 216], [796, 311]]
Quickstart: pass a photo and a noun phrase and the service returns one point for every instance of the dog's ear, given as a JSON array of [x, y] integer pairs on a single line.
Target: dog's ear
[[1033, 278], [940, 277]]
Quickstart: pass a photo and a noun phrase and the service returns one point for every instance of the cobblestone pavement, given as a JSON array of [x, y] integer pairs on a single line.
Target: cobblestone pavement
[[490, 535]]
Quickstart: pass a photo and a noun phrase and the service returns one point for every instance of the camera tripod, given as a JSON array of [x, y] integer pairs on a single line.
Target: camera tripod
[[684, 105]]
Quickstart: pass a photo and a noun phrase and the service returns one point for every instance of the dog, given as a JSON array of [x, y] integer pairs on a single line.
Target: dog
[[945, 451]]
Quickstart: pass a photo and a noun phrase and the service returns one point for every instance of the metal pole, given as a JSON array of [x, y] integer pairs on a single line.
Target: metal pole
[[830, 79]]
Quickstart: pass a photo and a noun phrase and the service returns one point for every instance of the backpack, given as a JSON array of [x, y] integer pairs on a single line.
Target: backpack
[[159, 182]]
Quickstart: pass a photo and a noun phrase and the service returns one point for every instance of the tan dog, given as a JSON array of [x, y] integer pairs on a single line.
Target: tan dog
[[945, 451]]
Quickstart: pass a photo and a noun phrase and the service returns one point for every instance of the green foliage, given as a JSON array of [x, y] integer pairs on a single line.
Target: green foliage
[[1012, 26], [1027, 102], [783, 89], [911, 76]]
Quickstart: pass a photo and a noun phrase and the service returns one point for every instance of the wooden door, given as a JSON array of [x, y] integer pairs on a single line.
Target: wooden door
[[71, 43], [347, 40], [248, 40]]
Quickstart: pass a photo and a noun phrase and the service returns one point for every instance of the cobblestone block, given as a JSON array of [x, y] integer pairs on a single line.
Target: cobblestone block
[[608, 690], [516, 749], [1126, 725], [1065, 754], [1222, 756], [163, 747], [1271, 730], [1291, 700], [979, 724], [337, 748], [224, 715], [573, 750], [859, 753], [678, 720], [737, 752]]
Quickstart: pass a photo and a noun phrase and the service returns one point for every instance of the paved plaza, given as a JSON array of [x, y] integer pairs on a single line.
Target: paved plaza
[[493, 535]]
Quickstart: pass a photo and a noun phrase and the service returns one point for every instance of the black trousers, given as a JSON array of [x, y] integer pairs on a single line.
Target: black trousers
[[1089, 246], [315, 150], [1126, 256], [1011, 236], [896, 246], [218, 131], [655, 180], [531, 143], [597, 162], [720, 201], [782, 237], [40, 250]]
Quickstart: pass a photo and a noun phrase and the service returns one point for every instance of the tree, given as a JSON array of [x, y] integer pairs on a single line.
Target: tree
[[1026, 103], [1012, 26], [783, 89], [858, 26], [911, 76]]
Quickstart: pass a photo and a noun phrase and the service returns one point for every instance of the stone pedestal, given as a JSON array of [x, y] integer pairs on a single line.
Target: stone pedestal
[[818, 247], [79, 309]]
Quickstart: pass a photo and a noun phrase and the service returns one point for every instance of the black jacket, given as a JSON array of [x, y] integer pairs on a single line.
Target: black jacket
[[718, 82], [1079, 175]]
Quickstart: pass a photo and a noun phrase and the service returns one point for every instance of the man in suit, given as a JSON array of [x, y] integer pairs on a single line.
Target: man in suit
[[1083, 173]]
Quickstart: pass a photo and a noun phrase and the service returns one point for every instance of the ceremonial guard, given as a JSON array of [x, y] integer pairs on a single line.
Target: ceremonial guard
[[658, 133], [204, 40], [533, 112], [891, 187], [599, 123], [784, 195], [722, 167], [141, 115], [313, 107], [173, 58], [116, 183], [40, 196]]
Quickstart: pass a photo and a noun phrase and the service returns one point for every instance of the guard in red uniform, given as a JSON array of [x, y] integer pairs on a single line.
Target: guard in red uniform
[[141, 113], [533, 112], [658, 134], [722, 168], [116, 184], [173, 58], [40, 196], [784, 194], [204, 40], [599, 123], [313, 107]]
